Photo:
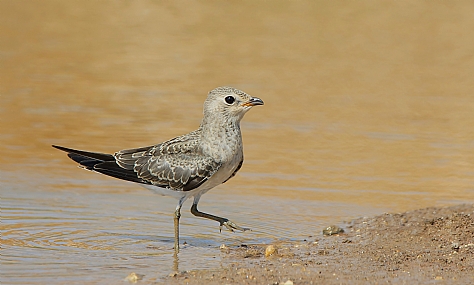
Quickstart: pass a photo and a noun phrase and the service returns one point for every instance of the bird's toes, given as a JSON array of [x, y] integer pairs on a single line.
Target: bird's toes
[[231, 226], [226, 225]]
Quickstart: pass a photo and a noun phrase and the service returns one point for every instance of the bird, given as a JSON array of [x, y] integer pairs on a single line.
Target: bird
[[188, 165]]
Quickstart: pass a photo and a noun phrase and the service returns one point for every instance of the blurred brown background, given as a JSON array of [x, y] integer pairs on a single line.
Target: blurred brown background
[[369, 105]]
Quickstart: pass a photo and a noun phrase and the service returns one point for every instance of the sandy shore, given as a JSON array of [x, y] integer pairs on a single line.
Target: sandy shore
[[426, 246]]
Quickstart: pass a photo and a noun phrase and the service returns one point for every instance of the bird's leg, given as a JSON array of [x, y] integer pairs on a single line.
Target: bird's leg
[[231, 226], [177, 215]]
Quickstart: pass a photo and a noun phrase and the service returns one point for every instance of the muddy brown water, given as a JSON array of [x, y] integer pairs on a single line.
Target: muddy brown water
[[369, 108]]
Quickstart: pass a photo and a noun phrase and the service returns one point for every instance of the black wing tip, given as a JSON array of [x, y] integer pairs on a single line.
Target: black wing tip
[[60, 147], [86, 154]]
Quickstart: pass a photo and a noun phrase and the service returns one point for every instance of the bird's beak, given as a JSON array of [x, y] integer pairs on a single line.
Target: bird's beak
[[254, 101]]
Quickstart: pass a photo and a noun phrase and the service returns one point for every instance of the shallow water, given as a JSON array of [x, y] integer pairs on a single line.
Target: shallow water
[[368, 109]]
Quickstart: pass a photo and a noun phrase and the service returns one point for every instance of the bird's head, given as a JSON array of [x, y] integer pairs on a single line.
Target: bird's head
[[230, 103]]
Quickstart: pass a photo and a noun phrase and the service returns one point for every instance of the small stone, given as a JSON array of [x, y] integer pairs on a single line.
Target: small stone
[[133, 277], [288, 282], [270, 250], [332, 230], [223, 247]]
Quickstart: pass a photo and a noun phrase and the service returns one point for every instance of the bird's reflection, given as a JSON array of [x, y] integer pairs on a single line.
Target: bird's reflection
[[175, 262]]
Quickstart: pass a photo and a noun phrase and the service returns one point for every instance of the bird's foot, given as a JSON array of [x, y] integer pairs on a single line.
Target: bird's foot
[[231, 226]]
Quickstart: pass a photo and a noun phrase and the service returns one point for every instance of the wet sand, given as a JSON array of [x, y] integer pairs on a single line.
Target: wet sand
[[417, 247]]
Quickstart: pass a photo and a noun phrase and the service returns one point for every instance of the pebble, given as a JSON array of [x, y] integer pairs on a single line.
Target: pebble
[[133, 277], [270, 250], [332, 230]]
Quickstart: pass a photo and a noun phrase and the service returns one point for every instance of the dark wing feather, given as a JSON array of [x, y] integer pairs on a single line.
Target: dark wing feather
[[91, 155], [102, 163], [111, 168]]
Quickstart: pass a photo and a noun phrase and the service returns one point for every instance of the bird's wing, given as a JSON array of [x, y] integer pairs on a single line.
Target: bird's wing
[[102, 163], [176, 171], [174, 164]]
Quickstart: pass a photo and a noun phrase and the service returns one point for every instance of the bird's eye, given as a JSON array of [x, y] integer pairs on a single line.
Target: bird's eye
[[229, 100]]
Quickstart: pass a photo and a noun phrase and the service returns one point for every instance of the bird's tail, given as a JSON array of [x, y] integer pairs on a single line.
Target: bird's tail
[[101, 163], [86, 158]]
